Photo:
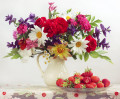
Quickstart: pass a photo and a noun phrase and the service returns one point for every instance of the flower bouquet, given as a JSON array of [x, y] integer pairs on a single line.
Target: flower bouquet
[[59, 36]]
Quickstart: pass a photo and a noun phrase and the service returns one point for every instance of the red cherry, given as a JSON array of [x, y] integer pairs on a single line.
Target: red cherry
[[4, 93], [116, 93], [44, 94], [76, 95]]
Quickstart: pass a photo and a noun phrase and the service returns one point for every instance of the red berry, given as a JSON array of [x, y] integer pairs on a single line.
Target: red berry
[[94, 84], [87, 73], [44, 94], [89, 86], [100, 85], [87, 80], [78, 86], [72, 79], [116, 93], [77, 75], [4, 93], [95, 79], [59, 82], [81, 78], [76, 95], [106, 82]]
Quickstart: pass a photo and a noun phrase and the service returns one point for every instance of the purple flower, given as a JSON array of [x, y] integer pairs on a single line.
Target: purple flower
[[104, 30], [13, 45], [104, 44], [97, 34], [10, 19], [72, 30], [55, 39], [32, 17], [22, 21]]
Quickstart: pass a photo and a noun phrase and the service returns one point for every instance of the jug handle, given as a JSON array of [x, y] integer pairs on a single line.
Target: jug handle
[[39, 64]]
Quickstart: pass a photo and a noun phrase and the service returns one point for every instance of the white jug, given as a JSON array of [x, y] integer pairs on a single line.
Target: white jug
[[56, 69]]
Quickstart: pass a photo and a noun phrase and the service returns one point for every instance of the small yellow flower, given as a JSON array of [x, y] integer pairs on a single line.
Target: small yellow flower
[[43, 56], [45, 51], [45, 62], [48, 61], [60, 50], [68, 17]]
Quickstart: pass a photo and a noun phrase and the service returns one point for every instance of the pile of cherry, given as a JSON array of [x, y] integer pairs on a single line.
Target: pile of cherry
[[84, 80]]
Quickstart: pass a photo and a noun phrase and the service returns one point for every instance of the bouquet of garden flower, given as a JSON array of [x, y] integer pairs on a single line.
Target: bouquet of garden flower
[[62, 35]]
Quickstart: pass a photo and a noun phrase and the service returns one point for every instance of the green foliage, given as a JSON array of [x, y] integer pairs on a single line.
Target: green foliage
[[93, 18], [97, 21], [102, 52], [55, 13], [20, 37], [98, 54], [70, 38], [93, 24], [80, 56], [89, 17], [94, 54], [69, 10], [13, 54], [50, 14], [91, 32], [86, 56], [106, 58]]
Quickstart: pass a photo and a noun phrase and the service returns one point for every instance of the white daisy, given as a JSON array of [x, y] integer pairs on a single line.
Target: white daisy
[[79, 46], [37, 33]]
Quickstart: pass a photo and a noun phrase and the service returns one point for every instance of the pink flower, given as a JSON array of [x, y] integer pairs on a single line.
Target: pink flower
[[22, 28], [15, 35], [72, 22], [51, 7], [31, 44], [83, 22], [51, 3]]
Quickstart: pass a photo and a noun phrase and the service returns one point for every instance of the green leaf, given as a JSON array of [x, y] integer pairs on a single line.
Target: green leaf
[[106, 58], [86, 56], [80, 56], [20, 37], [97, 48], [15, 50], [16, 56], [91, 32], [55, 13], [70, 38], [93, 24], [94, 54], [9, 54], [93, 18], [69, 10], [102, 52], [98, 21], [50, 14], [88, 17]]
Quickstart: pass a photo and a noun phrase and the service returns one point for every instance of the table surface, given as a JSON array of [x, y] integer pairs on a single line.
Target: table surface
[[53, 92]]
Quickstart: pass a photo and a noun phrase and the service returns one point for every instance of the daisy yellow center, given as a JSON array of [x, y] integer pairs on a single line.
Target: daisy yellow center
[[60, 50], [39, 34], [78, 44], [68, 17]]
